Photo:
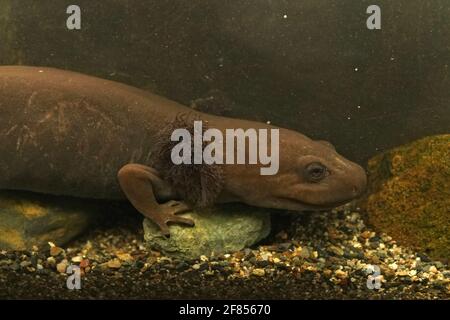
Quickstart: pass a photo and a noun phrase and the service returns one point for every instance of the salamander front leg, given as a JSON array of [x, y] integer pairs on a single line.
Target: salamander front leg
[[140, 183]]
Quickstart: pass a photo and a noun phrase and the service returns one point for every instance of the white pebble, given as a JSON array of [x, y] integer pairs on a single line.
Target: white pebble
[[393, 266], [77, 259]]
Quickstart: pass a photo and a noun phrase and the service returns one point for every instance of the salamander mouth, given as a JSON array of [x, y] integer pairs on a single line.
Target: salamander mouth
[[304, 206]]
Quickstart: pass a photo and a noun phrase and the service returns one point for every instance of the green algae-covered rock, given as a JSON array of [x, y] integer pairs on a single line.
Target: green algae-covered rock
[[220, 229], [28, 219], [409, 195]]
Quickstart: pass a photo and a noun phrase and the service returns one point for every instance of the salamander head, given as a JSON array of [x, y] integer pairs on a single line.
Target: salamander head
[[311, 176]]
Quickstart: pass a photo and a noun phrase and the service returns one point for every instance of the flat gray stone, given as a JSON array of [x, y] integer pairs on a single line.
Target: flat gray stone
[[220, 229], [28, 220]]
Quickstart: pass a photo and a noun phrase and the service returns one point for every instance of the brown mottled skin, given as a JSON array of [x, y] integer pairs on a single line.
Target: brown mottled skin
[[65, 133]]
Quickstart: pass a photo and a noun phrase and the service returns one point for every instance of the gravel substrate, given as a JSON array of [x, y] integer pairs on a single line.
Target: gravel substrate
[[320, 256]]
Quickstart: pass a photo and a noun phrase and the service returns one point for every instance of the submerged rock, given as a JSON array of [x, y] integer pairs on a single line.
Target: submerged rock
[[28, 220], [220, 229], [409, 195]]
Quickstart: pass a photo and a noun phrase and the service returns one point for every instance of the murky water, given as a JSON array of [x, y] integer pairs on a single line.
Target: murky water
[[313, 66]]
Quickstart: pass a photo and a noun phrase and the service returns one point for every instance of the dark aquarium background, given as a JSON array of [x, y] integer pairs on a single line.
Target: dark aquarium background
[[380, 96], [298, 72]]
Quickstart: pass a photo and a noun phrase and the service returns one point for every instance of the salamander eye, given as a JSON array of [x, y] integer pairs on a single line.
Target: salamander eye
[[315, 172]]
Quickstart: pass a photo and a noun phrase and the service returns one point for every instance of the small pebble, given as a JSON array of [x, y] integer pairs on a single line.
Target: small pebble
[[84, 263], [77, 259], [433, 269], [393, 266], [258, 272], [51, 261], [366, 234], [412, 273], [304, 253], [54, 251], [336, 250], [114, 264], [125, 257], [182, 266], [341, 274], [62, 266]]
